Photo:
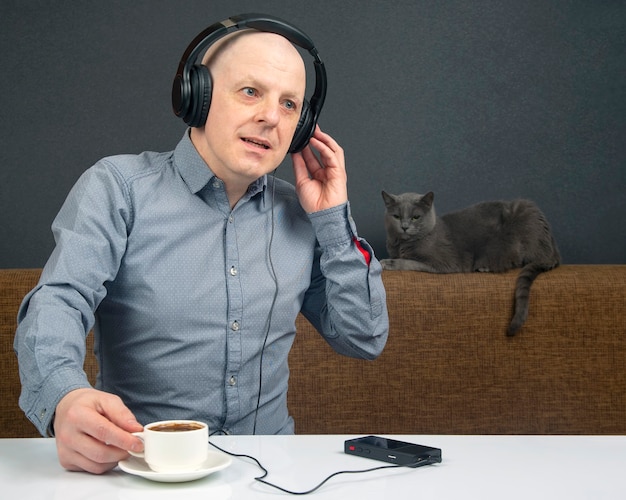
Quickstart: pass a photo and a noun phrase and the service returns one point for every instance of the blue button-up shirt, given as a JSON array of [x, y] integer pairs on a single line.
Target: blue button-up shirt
[[187, 297]]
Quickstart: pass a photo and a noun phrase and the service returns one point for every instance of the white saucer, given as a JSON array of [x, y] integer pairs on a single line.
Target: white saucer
[[137, 466]]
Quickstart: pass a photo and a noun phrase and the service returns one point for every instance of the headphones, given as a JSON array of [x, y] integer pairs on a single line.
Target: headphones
[[191, 90]]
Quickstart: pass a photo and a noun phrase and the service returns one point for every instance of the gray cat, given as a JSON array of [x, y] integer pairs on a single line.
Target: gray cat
[[492, 236]]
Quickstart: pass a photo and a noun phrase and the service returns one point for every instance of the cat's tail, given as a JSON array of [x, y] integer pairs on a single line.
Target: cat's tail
[[522, 293]]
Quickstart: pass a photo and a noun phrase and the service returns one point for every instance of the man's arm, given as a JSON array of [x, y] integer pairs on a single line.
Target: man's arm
[[91, 427], [346, 301]]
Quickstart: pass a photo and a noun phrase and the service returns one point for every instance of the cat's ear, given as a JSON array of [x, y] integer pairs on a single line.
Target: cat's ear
[[389, 199], [428, 199]]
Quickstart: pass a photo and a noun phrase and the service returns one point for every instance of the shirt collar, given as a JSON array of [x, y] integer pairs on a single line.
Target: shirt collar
[[197, 174]]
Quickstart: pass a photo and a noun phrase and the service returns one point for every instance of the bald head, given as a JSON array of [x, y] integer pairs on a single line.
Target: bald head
[[246, 43]]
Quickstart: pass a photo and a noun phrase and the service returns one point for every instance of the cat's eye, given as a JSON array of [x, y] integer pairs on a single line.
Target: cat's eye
[[415, 217]]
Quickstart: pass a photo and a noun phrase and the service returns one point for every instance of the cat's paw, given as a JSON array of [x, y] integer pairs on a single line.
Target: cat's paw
[[389, 264]]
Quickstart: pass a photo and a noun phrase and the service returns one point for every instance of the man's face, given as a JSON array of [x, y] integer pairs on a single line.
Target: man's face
[[258, 90]]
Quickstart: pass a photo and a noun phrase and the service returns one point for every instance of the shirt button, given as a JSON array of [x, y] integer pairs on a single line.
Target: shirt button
[[216, 184], [234, 326], [231, 219], [232, 381], [233, 271]]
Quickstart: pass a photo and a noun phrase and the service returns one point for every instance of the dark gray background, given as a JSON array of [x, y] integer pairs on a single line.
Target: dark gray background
[[474, 100]]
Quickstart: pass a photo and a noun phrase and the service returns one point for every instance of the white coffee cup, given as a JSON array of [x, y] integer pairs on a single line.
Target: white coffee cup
[[174, 445]]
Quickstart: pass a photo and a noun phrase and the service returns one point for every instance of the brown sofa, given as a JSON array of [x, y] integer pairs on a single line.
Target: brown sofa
[[448, 367]]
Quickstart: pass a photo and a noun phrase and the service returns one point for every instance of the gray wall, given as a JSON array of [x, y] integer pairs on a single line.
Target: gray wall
[[474, 100]]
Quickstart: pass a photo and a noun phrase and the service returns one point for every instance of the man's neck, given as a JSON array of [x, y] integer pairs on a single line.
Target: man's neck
[[236, 187]]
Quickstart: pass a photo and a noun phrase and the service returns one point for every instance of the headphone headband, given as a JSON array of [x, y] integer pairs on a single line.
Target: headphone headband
[[192, 104]]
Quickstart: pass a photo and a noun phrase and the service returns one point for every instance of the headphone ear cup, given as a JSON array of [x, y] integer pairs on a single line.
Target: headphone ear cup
[[304, 130], [180, 96], [200, 96]]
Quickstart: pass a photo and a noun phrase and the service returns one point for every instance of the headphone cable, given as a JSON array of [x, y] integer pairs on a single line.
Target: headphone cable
[[261, 478], [269, 318]]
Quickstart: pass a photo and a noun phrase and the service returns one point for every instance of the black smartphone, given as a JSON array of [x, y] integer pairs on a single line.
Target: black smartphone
[[393, 451]]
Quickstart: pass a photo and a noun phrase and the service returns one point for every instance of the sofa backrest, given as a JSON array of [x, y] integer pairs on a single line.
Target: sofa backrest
[[449, 368]]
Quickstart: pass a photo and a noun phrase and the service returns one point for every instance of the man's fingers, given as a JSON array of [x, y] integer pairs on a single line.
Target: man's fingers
[[96, 462], [93, 430], [108, 433]]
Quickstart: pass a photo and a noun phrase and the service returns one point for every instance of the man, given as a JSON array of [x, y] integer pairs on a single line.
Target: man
[[191, 267]]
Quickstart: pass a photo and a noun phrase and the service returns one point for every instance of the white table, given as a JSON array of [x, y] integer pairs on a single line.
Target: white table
[[485, 467]]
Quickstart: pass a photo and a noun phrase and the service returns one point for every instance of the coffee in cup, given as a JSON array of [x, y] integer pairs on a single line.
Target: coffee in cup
[[175, 426], [174, 445]]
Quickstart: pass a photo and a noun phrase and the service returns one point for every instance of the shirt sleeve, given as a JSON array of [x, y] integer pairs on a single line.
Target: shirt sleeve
[[346, 301], [56, 316]]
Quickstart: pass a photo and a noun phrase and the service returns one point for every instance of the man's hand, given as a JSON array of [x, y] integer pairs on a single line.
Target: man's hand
[[321, 183], [92, 430]]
